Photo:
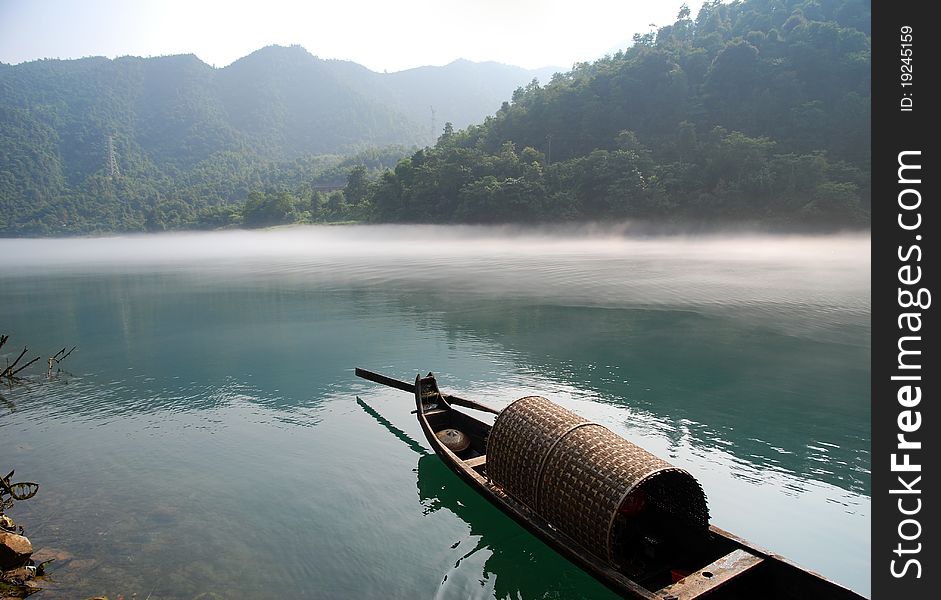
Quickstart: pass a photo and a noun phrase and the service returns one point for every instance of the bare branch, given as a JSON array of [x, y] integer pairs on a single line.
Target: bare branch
[[25, 350], [13, 373], [66, 354]]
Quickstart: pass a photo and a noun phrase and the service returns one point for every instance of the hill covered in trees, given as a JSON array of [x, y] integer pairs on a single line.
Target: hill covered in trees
[[188, 137], [756, 111]]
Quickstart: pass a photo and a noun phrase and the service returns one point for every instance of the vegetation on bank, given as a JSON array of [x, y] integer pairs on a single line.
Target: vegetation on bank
[[229, 190], [757, 110], [184, 132]]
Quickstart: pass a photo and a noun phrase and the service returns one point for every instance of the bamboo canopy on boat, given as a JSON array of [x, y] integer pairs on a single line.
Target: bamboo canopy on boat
[[580, 476]]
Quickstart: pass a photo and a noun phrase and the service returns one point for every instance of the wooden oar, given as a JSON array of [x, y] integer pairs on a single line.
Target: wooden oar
[[410, 387], [377, 378]]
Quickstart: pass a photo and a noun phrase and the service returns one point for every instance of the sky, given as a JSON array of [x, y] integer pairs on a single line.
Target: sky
[[382, 35]]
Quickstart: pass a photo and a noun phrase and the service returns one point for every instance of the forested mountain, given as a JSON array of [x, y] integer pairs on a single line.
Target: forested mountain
[[757, 110], [416, 89], [186, 133]]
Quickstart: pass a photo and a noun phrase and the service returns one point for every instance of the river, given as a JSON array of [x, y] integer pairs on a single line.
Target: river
[[204, 439]]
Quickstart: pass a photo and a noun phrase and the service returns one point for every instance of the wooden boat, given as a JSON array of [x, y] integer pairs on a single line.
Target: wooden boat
[[641, 551]]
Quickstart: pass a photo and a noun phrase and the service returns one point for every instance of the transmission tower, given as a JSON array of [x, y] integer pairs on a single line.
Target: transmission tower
[[112, 159], [433, 137]]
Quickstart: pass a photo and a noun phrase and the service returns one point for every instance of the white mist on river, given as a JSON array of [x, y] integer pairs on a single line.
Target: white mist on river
[[208, 415], [605, 267]]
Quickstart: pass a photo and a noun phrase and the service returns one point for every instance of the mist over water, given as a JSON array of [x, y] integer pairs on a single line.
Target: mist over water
[[599, 266], [212, 395]]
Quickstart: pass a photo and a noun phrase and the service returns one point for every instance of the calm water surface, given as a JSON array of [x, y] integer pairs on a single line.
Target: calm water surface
[[205, 440]]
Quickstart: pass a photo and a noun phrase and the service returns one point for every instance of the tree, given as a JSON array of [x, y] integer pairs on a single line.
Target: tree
[[265, 210], [357, 185], [447, 134]]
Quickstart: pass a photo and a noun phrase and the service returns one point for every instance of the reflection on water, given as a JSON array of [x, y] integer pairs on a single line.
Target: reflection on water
[[401, 435], [503, 558], [207, 421]]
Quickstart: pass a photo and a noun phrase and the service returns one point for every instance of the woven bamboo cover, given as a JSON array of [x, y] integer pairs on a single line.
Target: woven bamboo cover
[[576, 474], [522, 436]]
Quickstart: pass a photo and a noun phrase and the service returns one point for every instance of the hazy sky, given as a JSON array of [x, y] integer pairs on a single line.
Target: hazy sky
[[380, 34]]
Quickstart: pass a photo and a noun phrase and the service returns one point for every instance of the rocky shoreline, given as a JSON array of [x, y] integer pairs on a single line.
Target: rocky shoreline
[[18, 570]]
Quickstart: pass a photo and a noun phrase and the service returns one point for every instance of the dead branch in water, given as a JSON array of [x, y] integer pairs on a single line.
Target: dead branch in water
[[23, 367], [58, 360], [11, 370]]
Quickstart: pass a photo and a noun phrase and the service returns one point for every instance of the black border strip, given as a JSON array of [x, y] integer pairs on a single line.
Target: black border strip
[[903, 273]]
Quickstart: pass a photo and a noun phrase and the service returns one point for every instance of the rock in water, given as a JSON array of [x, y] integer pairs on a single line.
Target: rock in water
[[7, 523], [14, 550]]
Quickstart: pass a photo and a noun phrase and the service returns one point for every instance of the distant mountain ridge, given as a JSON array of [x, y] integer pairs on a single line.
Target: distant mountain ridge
[[168, 115], [754, 111]]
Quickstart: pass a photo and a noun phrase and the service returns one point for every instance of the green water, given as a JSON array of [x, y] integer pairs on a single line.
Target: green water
[[205, 440]]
